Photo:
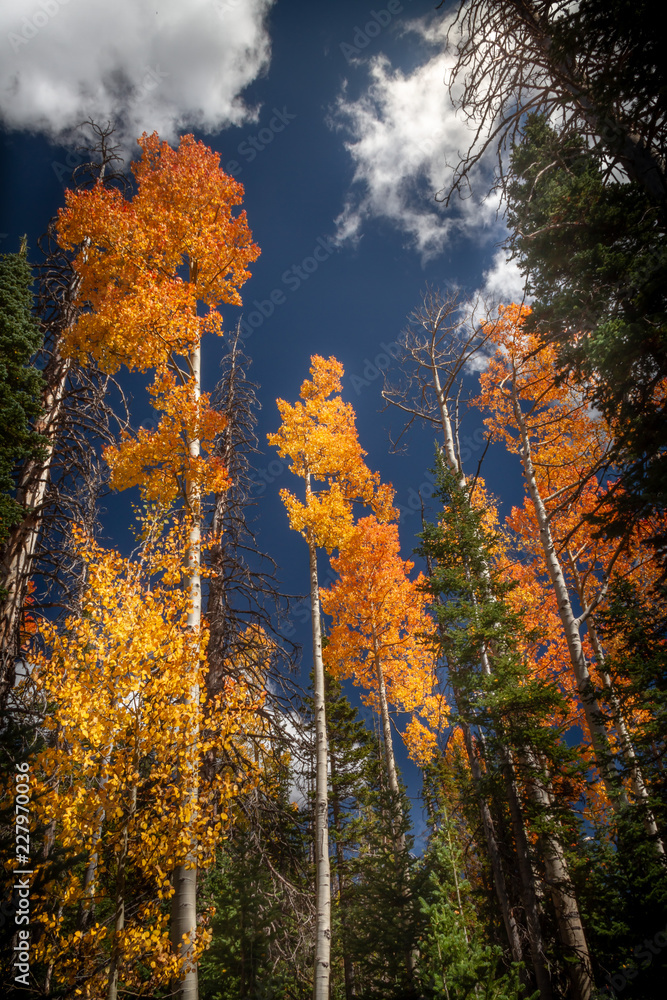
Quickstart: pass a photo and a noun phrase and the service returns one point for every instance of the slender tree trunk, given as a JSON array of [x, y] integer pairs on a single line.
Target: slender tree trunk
[[322, 864], [348, 968], [121, 879], [184, 900], [568, 918], [527, 877], [502, 895], [19, 550], [570, 625], [392, 775], [388, 746], [637, 781]]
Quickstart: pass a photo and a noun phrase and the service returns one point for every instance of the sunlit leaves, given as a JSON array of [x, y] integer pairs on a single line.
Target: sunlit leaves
[[380, 618], [319, 437], [145, 264], [121, 722]]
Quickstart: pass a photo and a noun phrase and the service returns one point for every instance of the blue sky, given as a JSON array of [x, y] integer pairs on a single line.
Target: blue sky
[[337, 120]]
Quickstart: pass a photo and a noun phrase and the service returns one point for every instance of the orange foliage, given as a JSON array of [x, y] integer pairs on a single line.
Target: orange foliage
[[145, 266], [131, 255], [379, 617]]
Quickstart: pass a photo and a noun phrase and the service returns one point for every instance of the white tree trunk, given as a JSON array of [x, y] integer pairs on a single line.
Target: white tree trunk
[[184, 900], [322, 864], [568, 619], [637, 782]]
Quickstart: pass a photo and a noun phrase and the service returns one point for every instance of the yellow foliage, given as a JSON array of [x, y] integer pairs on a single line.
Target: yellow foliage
[[319, 436], [122, 723]]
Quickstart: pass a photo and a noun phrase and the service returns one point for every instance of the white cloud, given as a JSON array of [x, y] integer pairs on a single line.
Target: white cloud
[[503, 282], [163, 65], [402, 133]]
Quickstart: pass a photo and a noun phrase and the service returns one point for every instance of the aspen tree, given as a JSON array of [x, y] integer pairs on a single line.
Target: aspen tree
[[149, 263], [116, 679], [319, 436], [560, 448]]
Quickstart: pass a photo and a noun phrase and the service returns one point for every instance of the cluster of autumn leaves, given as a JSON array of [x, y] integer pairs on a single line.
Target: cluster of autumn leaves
[[126, 726]]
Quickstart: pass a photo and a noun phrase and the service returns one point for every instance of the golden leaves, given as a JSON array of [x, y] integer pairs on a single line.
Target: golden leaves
[[380, 619], [319, 436], [118, 680]]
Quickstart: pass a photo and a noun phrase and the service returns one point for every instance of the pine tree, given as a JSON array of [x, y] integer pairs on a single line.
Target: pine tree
[[503, 708], [457, 960], [20, 383]]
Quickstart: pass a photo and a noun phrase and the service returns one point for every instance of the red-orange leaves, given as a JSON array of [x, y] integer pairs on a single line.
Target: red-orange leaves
[[145, 264]]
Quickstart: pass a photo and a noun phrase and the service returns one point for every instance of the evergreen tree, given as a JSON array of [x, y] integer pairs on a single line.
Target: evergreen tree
[[20, 382], [511, 717], [457, 959], [383, 909], [593, 252]]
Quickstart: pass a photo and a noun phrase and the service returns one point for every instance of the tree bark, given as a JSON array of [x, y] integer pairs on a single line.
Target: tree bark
[[592, 711], [348, 968], [322, 970], [637, 781], [184, 900], [570, 928], [502, 895], [19, 550], [121, 878]]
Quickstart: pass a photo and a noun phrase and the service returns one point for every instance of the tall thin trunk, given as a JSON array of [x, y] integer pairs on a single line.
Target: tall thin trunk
[[568, 918], [502, 895], [322, 970], [19, 551], [121, 879], [348, 968], [392, 775], [637, 781], [527, 877], [184, 900], [570, 625], [388, 746]]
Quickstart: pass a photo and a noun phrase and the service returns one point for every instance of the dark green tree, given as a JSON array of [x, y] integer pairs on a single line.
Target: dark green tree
[[457, 960], [594, 255], [20, 381], [509, 718]]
